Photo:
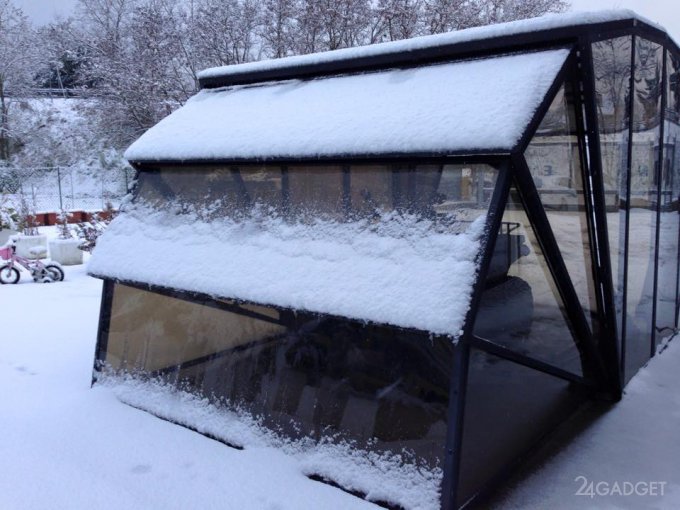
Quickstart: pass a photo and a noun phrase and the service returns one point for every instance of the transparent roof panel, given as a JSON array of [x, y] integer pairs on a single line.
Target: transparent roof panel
[[482, 104], [393, 244]]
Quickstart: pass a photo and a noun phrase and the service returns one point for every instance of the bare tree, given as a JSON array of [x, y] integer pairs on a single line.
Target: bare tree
[[225, 31], [446, 15], [278, 28], [399, 19], [500, 11], [18, 62]]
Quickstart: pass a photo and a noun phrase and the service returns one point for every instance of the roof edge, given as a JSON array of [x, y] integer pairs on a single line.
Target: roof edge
[[472, 155], [543, 32]]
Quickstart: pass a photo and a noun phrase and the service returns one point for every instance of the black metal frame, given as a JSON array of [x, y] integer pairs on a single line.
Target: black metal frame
[[659, 180], [592, 364], [457, 393], [591, 164], [629, 168], [397, 58], [605, 363]]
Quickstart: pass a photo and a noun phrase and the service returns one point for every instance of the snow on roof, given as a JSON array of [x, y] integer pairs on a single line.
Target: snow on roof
[[454, 107], [401, 271], [547, 22]]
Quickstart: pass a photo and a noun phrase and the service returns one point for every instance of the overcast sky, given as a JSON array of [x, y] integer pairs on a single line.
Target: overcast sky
[[44, 11], [664, 12]]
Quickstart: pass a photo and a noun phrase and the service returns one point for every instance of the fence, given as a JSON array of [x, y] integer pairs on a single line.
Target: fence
[[54, 189]]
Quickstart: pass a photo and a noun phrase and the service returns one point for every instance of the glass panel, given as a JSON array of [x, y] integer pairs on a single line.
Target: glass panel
[[316, 191], [320, 377], [554, 161], [669, 228], [521, 308], [315, 378], [508, 408], [643, 199], [318, 238], [459, 193], [212, 192], [612, 67]]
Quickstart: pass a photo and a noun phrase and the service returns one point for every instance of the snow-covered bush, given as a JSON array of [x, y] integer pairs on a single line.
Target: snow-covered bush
[[27, 223], [9, 218], [62, 225]]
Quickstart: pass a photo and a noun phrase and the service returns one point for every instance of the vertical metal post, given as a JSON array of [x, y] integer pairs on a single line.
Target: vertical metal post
[[103, 328], [73, 194], [629, 171], [659, 185], [593, 179], [461, 361], [454, 439], [61, 203]]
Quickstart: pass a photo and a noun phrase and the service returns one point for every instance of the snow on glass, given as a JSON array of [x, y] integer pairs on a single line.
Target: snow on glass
[[398, 479], [388, 267], [480, 104]]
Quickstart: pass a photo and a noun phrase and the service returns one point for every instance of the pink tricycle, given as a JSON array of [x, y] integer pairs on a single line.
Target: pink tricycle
[[42, 273]]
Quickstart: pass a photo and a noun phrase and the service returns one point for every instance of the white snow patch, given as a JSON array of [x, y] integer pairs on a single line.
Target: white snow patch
[[481, 104], [401, 270], [636, 442], [380, 476]]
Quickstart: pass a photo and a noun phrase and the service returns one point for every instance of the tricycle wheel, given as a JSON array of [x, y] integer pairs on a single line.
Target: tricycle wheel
[[55, 272], [9, 275]]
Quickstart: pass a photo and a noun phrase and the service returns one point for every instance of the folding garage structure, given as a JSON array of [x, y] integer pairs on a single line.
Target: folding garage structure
[[433, 250]]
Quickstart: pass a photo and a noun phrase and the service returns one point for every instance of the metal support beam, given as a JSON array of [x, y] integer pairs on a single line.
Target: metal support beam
[[659, 185], [593, 366], [103, 328], [588, 125], [510, 355], [458, 388]]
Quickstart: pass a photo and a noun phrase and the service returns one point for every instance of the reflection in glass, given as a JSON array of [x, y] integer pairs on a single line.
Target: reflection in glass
[[521, 308], [306, 374], [643, 198], [445, 193], [318, 378], [612, 68], [669, 228], [316, 191], [553, 158], [507, 408]]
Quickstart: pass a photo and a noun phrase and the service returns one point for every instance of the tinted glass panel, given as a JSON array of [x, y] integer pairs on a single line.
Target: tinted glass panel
[[316, 191], [455, 193], [666, 309], [643, 200], [306, 374], [508, 408], [521, 307], [554, 160], [612, 66]]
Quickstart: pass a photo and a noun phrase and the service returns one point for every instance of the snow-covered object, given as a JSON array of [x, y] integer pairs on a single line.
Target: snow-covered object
[[480, 104], [403, 271], [66, 251], [547, 22], [381, 476], [26, 245]]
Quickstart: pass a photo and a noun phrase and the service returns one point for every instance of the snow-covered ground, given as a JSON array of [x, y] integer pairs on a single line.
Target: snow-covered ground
[[628, 458], [65, 445]]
